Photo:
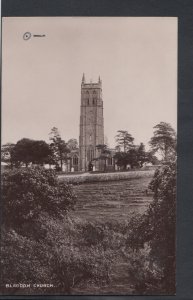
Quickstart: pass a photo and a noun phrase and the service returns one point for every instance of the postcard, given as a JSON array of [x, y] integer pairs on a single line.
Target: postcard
[[88, 161]]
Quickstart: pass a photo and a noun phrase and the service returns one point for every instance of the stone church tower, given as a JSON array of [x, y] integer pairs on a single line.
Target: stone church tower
[[91, 124]]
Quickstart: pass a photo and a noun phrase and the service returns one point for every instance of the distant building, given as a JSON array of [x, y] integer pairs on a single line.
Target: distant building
[[91, 124]]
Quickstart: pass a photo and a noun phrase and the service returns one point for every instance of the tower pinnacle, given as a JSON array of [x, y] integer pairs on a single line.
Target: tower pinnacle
[[83, 78]]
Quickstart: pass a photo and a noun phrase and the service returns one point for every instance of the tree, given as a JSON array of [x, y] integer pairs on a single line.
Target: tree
[[152, 158], [30, 151], [104, 153], [124, 140], [163, 140], [7, 153], [72, 144], [122, 159], [134, 157], [59, 147], [41, 152], [141, 155], [23, 152], [28, 192]]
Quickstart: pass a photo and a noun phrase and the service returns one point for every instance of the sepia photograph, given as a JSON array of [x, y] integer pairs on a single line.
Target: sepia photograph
[[88, 155]]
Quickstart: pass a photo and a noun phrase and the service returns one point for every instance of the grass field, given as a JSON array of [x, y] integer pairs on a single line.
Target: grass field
[[106, 200], [100, 177]]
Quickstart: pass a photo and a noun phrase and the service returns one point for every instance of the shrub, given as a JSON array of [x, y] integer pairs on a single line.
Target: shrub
[[57, 258], [27, 192], [157, 226], [161, 221], [144, 275]]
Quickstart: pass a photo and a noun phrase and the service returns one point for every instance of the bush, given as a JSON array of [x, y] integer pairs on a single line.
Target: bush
[[155, 271], [22, 262], [27, 192], [158, 226], [40, 243], [57, 258], [144, 275], [161, 221]]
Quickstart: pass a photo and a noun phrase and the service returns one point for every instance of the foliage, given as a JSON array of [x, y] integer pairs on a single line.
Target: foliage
[[7, 154], [144, 275], [135, 157], [22, 261], [58, 257], [164, 140], [142, 155], [27, 192], [122, 159], [30, 151], [59, 147], [72, 144], [152, 158], [38, 232], [157, 227], [22, 152], [124, 140], [161, 220], [104, 153]]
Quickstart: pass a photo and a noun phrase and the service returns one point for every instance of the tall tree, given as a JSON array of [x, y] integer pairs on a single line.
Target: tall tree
[[124, 140], [59, 147], [163, 140]]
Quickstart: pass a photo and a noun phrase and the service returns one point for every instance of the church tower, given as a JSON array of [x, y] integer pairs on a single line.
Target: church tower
[[91, 123]]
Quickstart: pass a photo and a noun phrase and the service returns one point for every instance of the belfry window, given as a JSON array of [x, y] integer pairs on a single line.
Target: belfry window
[[94, 100]]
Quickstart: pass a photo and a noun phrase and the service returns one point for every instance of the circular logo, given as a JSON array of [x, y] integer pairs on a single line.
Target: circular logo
[[27, 36]]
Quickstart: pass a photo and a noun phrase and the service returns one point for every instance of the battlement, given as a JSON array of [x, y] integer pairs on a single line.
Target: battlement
[[91, 85]]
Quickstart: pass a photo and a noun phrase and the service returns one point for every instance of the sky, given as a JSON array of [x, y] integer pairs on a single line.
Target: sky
[[136, 58]]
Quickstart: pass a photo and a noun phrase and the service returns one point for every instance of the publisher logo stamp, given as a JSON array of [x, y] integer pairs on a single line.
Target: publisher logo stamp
[[27, 36]]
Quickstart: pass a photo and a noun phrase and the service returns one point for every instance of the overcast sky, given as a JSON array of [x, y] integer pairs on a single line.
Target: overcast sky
[[135, 57]]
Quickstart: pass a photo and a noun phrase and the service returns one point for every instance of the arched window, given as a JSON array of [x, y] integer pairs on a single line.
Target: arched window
[[75, 160], [90, 154], [110, 161]]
